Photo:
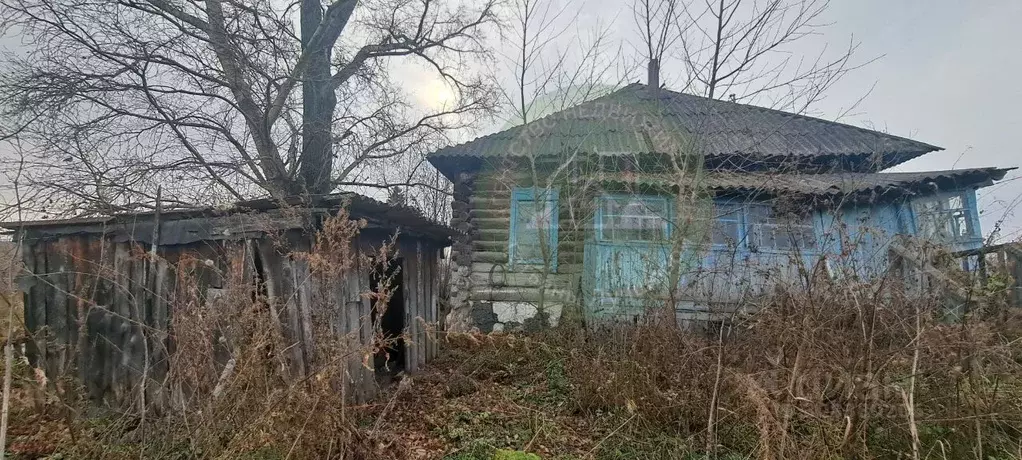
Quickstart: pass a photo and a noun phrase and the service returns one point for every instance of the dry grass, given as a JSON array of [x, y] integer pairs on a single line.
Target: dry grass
[[811, 376], [837, 371], [820, 375]]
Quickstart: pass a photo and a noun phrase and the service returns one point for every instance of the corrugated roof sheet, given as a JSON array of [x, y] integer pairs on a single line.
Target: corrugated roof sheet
[[625, 121], [835, 184]]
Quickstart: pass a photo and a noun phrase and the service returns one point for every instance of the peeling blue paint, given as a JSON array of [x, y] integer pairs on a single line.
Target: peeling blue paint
[[856, 236], [524, 243]]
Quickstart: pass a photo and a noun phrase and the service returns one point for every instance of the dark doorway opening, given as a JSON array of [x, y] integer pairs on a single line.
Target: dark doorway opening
[[389, 361]]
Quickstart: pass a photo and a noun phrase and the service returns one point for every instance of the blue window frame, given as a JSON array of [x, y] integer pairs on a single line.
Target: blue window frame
[[728, 224], [633, 218], [735, 224], [757, 227], [533, 226], [947, 217], [771, 232], [629, 255]]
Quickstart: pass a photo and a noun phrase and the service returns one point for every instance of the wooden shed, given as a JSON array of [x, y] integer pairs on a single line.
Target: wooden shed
[[101, 294]]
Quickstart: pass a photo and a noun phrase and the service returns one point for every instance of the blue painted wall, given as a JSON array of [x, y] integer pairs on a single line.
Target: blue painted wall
[[859, 236], [624, 275], [852, 239]]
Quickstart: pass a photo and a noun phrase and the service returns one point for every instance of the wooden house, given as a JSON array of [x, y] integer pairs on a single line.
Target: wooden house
[[101, 294], [647, 193]]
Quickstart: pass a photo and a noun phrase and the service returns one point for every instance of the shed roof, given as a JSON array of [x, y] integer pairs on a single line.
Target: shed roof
[[218, 223], [623, 122]]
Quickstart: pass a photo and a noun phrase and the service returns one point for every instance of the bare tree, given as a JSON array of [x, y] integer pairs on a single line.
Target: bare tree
[[656, 21], [549, 68], [204, 95], [745, 50]]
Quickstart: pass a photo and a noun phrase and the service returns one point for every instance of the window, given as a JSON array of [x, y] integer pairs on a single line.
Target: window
[[773, 232], [633, 218], [533, 226], [943, 218], [637, 218], [727, 224]]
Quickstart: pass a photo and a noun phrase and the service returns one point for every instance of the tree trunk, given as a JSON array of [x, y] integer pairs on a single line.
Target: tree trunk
[[318, 103]]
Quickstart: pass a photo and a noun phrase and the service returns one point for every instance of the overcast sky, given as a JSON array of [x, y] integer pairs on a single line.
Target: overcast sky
[[949, 77]]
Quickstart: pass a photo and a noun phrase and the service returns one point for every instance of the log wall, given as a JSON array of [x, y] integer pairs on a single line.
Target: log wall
[[488, 292]]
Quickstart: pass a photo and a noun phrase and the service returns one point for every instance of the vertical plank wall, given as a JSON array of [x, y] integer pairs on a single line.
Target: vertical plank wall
[[100, 308], [86, 309], [420, 277]]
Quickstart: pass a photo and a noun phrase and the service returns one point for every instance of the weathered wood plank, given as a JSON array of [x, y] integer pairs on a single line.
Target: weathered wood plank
[[408, 273], [278, 281], [96, 354], [46, 300], [269, 266], [336, 292], [77, 270], [502, 246], [305, 307], [35, 305], [435, 301], [366, 331], [337, 295], [289, 294], [490, 257], [490, 213], [421, 305], [562, 269], [564, 220], [427, 306], [502, 233], [28, 257], [58, 311], [137, 347], [501, 276], [353, 335], [164, 287], [120, 327], [81, 278], [502, 258]]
